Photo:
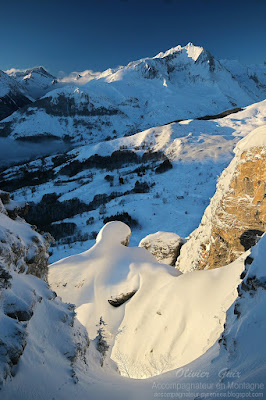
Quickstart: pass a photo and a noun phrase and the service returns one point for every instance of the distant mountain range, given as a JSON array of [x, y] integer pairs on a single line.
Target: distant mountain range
[[182, 83]]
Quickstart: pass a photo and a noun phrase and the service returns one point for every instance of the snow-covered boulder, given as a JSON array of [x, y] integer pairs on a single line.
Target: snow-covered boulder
[[236, 216], [164, 246]]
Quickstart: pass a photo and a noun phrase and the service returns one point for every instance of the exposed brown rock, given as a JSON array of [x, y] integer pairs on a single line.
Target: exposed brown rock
[[241, 215], [235, 218]]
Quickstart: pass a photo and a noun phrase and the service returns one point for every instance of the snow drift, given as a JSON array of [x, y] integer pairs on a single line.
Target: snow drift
[[152, 331]]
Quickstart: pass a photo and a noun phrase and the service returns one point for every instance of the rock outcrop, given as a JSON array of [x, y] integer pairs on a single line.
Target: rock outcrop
[[245, 321], [164, 246], [22, 249], [29, 310], [236, 216]]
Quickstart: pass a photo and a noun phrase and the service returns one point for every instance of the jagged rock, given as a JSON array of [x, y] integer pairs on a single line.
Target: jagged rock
[[24, 298], [164, 246], [236, 216], [21, 315], [164, 166], [121, 299], [5, 197], [5, 278], [22, 249], [246, 318]]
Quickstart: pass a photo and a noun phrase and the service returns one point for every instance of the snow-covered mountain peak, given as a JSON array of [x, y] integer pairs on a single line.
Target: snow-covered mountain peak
[[165, 66], [190, 50], [182, 83], [42, 70], [15, 72], [148, 63], [36, 81]]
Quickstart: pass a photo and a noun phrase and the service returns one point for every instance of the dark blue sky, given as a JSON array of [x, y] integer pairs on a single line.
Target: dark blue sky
[[96, 34]]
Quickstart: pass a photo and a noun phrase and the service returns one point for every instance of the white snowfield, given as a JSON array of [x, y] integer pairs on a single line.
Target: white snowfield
[[171, 320], [188, 140], [236, 365], [190, 252]]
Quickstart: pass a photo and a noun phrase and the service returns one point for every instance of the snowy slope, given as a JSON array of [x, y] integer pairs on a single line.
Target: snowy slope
[[233, 371], [184, 304], [147, 334], [242, 339], [171, 201], [36, 331], [251, 77], [12, 95], [184, 82], [235, 366]]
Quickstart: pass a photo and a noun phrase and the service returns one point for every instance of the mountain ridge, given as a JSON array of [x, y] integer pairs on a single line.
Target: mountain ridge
[[182, 83]]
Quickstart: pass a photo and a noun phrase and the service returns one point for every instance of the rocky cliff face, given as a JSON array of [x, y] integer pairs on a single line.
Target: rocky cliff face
[[236, 216], [245, 321], [29, 310], [22, 249]]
